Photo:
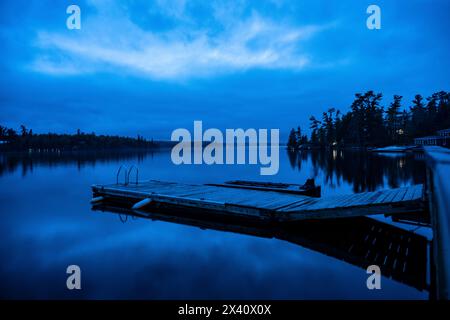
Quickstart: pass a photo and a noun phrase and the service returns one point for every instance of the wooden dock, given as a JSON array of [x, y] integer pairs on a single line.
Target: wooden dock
[[257, 204], [438, 189]]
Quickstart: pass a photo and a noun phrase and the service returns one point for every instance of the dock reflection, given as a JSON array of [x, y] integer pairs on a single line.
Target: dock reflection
[[360, 241]]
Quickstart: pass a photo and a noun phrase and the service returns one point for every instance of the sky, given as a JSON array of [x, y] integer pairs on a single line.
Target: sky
[[150, 67]]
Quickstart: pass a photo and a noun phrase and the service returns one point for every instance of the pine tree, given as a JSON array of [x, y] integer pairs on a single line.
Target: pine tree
[[418, 117], [298, 136], [392, 119], [314, 126]]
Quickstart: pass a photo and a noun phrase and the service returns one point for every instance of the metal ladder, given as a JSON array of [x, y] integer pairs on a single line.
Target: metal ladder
[[127, 172]]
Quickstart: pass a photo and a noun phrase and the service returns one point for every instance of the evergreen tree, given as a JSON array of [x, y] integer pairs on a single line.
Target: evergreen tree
[[393, 119], [365, 124], [418, 117], [3, 131], [23, 130], [314, 126], [298, 136], [329, 131], [443, 110], [373, 119], [357, 120]]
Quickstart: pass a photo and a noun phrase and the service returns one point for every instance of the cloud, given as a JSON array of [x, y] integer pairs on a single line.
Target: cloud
[[110, 41]]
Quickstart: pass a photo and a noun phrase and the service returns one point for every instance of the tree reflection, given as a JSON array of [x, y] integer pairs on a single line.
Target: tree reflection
[[366, 171], [10, 162]]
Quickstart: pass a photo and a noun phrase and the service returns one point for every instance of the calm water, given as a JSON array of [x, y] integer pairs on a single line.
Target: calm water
[[47, 224]]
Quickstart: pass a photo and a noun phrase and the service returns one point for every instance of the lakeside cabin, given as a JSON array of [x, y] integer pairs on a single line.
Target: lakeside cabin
[[441, 139]]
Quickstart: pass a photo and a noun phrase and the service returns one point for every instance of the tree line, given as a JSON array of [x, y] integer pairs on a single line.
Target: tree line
[[25, 139], [368, 124]]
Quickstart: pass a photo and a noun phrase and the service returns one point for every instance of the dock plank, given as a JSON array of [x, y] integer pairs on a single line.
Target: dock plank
[[409, 194], [400, 195], [391, 195]]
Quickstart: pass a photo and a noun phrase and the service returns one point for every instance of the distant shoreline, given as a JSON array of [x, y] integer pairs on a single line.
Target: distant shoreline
[[26, 140], [158, 145]]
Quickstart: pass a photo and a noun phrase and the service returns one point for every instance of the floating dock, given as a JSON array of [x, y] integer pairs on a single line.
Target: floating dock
[[268, 206]]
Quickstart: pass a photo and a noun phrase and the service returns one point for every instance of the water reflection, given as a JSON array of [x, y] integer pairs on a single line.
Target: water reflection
[[48, 224], [365, 171], [360, 241], [10, 162]]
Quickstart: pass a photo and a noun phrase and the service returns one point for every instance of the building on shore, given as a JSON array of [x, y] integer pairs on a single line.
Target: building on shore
[[441, 139], [444, 133]]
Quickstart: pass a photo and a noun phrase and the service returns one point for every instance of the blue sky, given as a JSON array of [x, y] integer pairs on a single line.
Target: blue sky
[[149, 67]]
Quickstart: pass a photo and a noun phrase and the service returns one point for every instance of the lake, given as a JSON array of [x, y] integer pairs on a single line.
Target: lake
[[48, 224]]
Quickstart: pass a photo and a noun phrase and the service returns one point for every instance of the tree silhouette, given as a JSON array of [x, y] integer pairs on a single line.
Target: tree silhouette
[[368, 125]]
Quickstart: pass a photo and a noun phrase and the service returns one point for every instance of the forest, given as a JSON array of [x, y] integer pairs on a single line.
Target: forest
[[369, 124], [26, 140]]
